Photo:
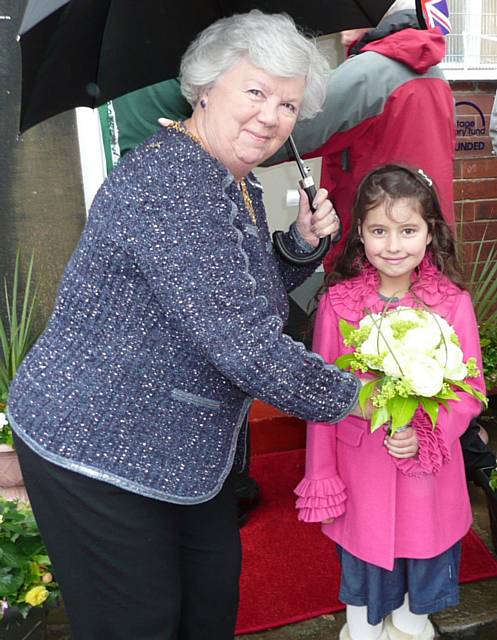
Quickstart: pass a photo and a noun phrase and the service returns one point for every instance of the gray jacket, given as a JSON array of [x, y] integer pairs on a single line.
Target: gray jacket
[[167, 323]]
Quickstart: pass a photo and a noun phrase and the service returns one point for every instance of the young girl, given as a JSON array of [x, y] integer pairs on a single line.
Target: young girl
[[397, 507]]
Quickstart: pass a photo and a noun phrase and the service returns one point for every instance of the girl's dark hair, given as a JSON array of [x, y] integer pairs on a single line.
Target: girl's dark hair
[[386, 184]]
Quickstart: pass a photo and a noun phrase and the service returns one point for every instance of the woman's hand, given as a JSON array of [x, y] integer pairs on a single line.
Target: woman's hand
[[165, 122], [403, 444], [367, 412], [323, 222]]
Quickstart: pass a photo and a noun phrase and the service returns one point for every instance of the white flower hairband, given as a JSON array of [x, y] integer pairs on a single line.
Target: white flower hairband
[[428, 180]]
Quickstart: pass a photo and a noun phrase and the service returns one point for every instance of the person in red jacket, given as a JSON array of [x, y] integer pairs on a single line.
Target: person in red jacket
[[388, 102]]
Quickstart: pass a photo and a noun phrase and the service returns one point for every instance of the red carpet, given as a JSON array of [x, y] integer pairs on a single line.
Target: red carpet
[[271, 430], [290, 569]]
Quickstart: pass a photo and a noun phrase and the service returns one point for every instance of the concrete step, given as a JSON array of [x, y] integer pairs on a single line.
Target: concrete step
[[474, 619], [476, 615]]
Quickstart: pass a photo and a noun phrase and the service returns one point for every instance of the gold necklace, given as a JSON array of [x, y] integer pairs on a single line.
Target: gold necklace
[[248, 201], [179, 125]]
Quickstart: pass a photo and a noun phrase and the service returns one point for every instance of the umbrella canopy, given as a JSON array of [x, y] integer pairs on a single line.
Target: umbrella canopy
[[86, 52]]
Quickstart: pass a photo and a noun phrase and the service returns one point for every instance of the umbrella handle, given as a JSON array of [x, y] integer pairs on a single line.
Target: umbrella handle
[[299, 258], [323, 247]]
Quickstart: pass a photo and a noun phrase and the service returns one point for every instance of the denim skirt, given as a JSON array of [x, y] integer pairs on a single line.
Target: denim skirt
[[432, 583]]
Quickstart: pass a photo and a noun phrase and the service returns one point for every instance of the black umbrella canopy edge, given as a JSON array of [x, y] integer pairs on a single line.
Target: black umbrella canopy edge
[[315, 16], [62, 71], [49, 83]]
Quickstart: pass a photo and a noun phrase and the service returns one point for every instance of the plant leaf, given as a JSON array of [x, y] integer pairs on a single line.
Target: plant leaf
[[447, 395], [402, 410], [431, 407], [344, 362], [366, 392], [379, 417], [471, 390], [345, 328]]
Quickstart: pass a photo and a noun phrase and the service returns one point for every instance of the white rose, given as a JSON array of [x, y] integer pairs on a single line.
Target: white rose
[[458, 373], [440, 326], [377, 341], [369, 320], [450, 356], [422, 339], [3, 420], [425, 374], [415, 337], [391, 364]]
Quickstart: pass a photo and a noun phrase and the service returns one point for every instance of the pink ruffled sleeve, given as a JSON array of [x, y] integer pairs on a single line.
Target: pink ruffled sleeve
[[320, 498], [321, 494], [433, 451]]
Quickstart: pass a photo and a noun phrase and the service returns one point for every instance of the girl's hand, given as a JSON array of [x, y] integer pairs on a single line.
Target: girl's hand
[[323, 222], [403, 444], [328, 521]]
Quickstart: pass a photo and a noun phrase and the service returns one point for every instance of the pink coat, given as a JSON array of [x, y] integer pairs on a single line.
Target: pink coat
[[387, 508]]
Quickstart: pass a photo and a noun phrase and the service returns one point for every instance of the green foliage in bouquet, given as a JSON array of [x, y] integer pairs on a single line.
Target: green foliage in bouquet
[[26, 578], [414, 359], [17, 336]]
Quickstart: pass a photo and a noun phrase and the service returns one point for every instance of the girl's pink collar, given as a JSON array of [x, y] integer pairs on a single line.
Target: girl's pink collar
[[352, 297]]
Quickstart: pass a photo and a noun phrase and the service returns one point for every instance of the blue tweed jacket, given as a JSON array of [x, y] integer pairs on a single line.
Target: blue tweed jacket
[[168, 321]]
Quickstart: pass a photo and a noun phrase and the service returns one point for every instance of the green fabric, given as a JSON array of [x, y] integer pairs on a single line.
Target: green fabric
[[107, 129], [128, 120]]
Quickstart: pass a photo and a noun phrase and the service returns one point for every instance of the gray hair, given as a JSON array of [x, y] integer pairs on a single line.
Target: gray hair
[[271, 42], [401, 5]]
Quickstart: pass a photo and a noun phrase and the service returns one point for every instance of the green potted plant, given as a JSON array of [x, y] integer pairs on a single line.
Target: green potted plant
[[488, 339], [27, 584], [483, 286], [17, 336]]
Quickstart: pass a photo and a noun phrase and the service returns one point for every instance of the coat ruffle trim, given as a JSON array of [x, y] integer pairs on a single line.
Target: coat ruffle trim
[[320, 499], [352, 298], [432, 453]]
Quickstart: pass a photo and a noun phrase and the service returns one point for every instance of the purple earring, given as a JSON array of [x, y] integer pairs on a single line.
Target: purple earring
[[203, 103]]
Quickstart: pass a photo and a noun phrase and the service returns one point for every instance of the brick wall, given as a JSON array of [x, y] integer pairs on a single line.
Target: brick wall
[[475, 170]]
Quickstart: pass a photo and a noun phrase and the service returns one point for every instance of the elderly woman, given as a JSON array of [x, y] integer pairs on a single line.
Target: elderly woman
[[129, 411]]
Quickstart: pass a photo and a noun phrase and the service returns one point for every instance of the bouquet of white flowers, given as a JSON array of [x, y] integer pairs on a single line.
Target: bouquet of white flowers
[[416, 360]]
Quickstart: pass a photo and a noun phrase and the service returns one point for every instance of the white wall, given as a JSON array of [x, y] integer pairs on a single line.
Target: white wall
[[276, 181], [91, 152]]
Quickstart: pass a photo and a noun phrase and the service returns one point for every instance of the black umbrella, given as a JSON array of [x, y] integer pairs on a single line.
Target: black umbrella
[[86, 52], [82, 53]]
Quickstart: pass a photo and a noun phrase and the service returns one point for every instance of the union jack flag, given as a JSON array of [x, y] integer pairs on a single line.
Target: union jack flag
[[436, 14]]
